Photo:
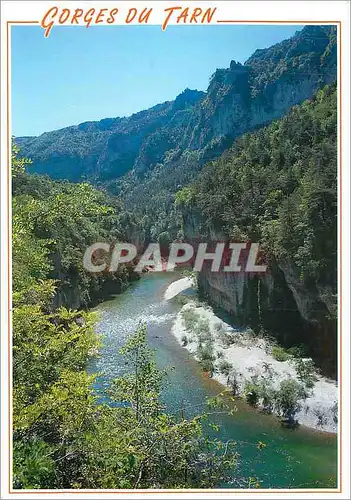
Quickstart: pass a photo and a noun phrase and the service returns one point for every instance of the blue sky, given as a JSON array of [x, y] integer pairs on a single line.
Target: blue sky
[[79, 74]]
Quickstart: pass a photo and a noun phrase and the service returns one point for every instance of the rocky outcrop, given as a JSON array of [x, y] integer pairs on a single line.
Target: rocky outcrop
[[278, 304], [238, 99]]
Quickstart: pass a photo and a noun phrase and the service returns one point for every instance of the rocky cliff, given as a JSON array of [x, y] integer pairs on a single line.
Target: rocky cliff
[[102, 150], [238, 99], [280, 305], [277, 186]]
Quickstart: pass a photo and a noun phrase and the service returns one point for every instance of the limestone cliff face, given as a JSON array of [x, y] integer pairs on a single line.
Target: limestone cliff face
[[239, 99], [278, 301], [225, 110], [270, 82], [159, 150]]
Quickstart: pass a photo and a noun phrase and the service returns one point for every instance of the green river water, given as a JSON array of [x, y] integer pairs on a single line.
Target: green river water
[[300, 458]]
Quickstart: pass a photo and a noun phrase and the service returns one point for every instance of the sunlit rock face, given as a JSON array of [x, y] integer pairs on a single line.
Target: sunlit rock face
[[238, 99], [277, 301], [161, 149]]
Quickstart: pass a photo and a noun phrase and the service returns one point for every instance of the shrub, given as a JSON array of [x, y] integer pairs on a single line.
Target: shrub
[[252, 392], [205, 351], [184, 196], [187, 273], [184, 340], [208, 366], [182, 299], [280, 354], [233, 381], [321, 417], [267, 368], [190, 318], [225, 367], [227, 339], [297, 351], [202, 330], [288, 399], [267, 394], [206, 357], [306, 372], [334, 410]]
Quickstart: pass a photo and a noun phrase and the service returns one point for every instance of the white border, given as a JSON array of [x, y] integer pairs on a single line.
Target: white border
[[292, 11]]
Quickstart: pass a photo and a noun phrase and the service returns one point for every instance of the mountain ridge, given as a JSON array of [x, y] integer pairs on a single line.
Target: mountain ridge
[[198, 121], [147, 157]]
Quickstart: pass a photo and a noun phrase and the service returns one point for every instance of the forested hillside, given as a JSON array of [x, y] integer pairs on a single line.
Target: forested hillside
[[277, 186], [63, 437], [147, 157], [99, 151]]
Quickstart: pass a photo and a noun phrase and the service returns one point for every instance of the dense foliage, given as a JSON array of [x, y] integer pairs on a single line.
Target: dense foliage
[[62, 436], [279, 186], [70, 217]]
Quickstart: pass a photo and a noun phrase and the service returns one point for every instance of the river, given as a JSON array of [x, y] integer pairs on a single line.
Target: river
[[300, 458]]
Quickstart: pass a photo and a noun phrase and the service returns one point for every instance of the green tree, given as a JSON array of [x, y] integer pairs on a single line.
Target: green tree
[[62, 436], [288, 399]]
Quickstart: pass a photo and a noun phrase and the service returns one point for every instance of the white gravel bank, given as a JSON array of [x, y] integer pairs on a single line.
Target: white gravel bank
[[178, 286], [251, 356]]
